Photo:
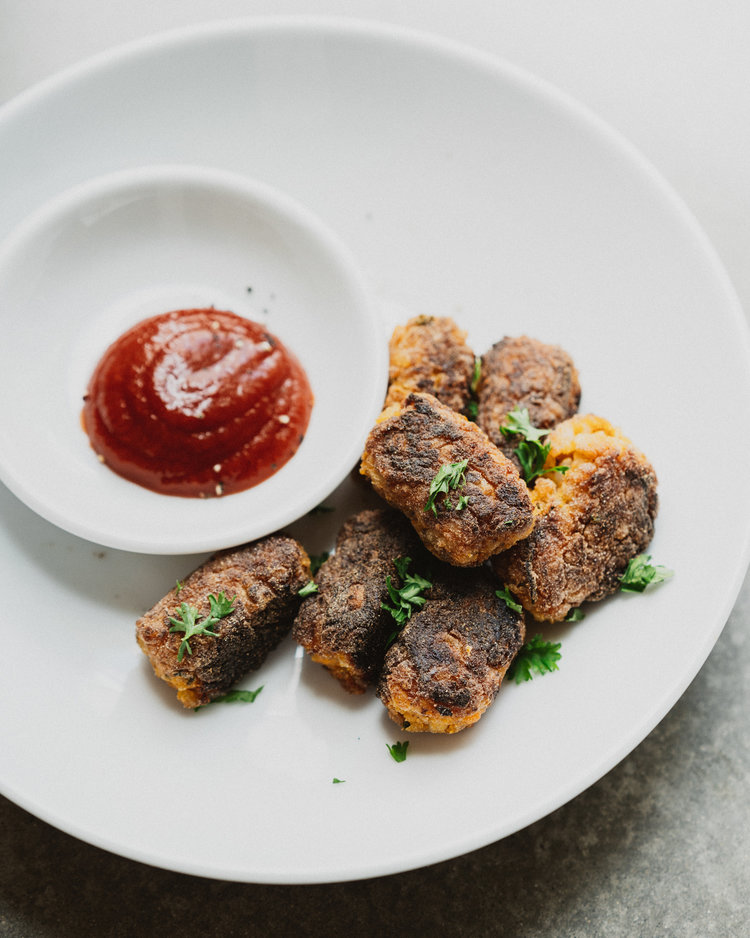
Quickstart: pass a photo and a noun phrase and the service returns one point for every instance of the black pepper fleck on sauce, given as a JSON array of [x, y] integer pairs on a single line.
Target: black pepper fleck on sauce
[[161, 428]]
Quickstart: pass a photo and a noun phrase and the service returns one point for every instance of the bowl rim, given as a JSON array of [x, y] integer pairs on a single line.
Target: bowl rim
[[349, 278]]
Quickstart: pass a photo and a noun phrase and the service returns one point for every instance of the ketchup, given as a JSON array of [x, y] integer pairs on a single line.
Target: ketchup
[[197, 402]]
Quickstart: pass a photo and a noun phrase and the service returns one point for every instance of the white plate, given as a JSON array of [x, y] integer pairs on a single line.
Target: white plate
[[125, 246], [464, 188]]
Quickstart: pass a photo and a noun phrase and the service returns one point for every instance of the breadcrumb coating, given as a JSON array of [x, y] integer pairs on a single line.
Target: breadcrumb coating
[[403, 454], [264, 577], [448, 663], [429, 355], [589, 521], [525, 373], [343, 626]]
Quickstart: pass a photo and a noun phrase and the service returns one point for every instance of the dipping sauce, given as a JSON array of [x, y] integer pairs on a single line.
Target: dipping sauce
[[198, 403]]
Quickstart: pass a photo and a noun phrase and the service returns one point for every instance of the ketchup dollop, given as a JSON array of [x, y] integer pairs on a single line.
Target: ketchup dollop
[[197, 402]]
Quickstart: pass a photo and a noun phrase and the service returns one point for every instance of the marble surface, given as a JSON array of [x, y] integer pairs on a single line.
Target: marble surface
[[660, 845]]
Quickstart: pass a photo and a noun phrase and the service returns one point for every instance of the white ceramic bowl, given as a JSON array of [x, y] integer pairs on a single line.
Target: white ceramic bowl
[[108, 253]]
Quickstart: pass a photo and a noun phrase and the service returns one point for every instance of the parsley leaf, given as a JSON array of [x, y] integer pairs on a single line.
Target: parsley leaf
[[308, 589], [321, 509], [640, 573], [575, 615], [532, 457], [317, 561], [234, 696], [510, 602], [221, 606], [406, 599], [451, 475], [239, 696], [517, 421], [536, 655], [532, 454], [398, 751], [476, 375], [339, 781], [472, 407], [191, 625]]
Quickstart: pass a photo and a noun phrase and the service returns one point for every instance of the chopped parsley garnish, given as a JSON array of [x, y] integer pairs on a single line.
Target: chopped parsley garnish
[[518, 422], [531, 452], [536, 655], [476, 375], [317, 561], [449, 477], [239, 696], [221, 605], [191, 625], [575, 615], [308, 589], [321, 509], [408, 598], [234, 696], [338, 781], [506, 595], [641, 573], [398, 751], [472, 408]]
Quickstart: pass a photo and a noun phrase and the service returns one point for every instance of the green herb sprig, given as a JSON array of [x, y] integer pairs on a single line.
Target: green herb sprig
[[234, 696], [398, 751], [406, 599], [640, 573], [472, 407], [321, 509], [238, 696], [449, 477], [308, 589], [531, 452], [317, 561], [510, 601], [535, 656], [191, 625], [476, 375]]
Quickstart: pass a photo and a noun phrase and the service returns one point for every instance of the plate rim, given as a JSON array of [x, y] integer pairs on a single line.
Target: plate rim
[[250, 191], [580, 113]]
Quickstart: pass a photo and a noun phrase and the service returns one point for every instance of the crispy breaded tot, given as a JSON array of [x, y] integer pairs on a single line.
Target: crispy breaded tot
[[405, 451], [446, 666], [589, 521], [263, 579], [343, 626], [429, 355], [525, 373]]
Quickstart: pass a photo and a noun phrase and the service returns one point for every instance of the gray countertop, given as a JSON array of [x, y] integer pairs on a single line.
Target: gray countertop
[[661, 844]]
